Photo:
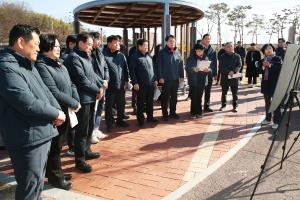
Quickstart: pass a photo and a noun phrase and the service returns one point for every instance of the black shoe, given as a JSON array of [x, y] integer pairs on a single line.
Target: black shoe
[[83, 167], [65, 185], [67, 177], [208, 109], [174, 116], [125, 116], [152, 120], [92, 155], [234, 110], [199, 116], [141, 123], [122, 124], [222, 108], [165, 118], [109, 128], [134, 110]]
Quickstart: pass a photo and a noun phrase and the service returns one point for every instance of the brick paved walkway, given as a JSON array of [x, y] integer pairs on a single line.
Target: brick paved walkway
[[151, 162]]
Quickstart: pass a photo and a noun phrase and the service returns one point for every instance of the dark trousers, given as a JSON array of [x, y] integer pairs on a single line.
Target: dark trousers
[[54, 171], [133, 98], [277, 112], [169, 92], [29, 165], [145, 96], [196, 99], [84, 131], [252, 80], [114, 96], [208, 90], [234, 90], [70, 138], [242, 68]]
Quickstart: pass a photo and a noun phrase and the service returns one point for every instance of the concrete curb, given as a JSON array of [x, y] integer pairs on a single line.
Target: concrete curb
[[49, 192], [189, 185]]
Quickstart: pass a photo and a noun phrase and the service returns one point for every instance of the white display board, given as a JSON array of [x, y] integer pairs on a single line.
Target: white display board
[[287, 76]]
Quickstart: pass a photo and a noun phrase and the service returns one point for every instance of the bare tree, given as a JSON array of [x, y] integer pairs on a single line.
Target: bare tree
[[270, 29], [255, 26], [236, 19], [210, 20], [293, 17], [218, 12]]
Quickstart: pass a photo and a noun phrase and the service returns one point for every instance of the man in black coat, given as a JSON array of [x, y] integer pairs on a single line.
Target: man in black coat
[[101, 69], [212, 56], [253, 55], [170, 72], [143, 80], [280, 50], [230, 64], [239, 49], [89, 84], [29, 113], [118, 80]]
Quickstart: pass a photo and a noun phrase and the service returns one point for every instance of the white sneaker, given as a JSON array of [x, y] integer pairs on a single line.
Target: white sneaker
[[94, 139], [100, 135], [275, 126], [265, 122]]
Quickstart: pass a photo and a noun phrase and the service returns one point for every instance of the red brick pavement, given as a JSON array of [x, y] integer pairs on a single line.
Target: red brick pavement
[[150, 162]]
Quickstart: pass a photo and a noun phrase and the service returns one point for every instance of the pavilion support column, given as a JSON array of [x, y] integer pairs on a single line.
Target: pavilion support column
[[181, 40], [193, 35], [175, 31], [166, 22], [125, 39], [76, 24], [133, 36], [148, 37], [155, 36], [188, 40]]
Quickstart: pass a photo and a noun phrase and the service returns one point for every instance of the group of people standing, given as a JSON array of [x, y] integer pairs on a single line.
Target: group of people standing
[[41, 91]]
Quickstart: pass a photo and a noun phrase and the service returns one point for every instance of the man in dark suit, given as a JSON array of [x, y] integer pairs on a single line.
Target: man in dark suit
[[230, 64], [29, 113]]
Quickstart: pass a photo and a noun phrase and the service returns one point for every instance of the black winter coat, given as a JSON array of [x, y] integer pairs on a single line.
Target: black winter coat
[[99, 64], [252, 57], [117, 67], [268, 86], [141, 69], [195, 77], [169, 65], [27, 107], [82, 74], [229, 62], [57, 79]]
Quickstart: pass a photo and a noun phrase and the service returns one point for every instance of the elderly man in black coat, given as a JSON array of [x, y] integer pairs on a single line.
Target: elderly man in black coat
[[253, 55], [118, 80], [29, 113], [170, 72], [79, 65], [230, 64], [144, 81]]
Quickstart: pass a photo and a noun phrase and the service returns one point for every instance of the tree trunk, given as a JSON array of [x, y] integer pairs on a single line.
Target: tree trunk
[[219, 31]]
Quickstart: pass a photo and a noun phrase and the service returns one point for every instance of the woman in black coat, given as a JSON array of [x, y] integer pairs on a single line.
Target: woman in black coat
[[196, 79], [270, 68], [253, 55], [57, 79]]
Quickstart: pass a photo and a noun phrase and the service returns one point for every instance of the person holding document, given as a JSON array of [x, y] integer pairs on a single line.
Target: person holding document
[[57, 79], [197, 68], [270, 67], [230, 64]]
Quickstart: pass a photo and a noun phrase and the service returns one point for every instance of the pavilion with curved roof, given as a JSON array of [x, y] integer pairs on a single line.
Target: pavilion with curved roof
[[143, 15]]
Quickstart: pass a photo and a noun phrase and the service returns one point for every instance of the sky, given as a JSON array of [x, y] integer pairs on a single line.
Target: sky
[[63, 9]]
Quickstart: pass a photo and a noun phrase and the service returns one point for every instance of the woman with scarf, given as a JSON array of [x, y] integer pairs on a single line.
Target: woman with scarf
[[270, 67], [196, 79], [57, 79]]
